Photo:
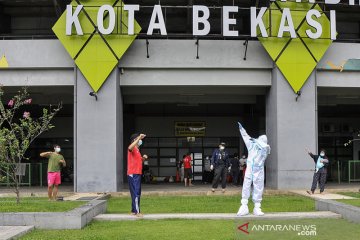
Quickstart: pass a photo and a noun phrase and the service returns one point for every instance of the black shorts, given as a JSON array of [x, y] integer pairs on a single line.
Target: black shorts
[[187, 173]]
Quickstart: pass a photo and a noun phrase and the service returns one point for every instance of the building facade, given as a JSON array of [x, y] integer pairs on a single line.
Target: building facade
[[163, 81]]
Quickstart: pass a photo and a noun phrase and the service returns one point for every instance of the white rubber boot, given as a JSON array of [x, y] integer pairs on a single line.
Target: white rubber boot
[[244, 210], [257, 209]]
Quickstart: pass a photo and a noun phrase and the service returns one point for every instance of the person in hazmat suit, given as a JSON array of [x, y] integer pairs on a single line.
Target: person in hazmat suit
[[258, 150]]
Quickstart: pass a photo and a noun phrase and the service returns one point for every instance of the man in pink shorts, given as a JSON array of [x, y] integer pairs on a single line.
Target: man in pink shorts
[[54, 167]]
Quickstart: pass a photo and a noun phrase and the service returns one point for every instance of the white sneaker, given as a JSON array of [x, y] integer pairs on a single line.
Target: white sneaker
[[257, 210], [244, 209]]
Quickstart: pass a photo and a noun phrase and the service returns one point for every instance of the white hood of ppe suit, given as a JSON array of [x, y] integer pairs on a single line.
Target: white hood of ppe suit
[[262, 141], [258, 150]]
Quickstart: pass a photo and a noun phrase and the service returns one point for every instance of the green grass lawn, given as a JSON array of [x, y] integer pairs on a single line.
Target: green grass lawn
[[326, 229], [210, 204], [350, 194], [36, 204], [354, 202]]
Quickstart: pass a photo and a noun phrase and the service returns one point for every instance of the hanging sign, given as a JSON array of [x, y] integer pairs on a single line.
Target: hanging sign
[[96, 34]]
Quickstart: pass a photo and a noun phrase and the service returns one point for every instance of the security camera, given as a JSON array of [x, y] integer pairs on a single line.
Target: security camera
[[93, 94]]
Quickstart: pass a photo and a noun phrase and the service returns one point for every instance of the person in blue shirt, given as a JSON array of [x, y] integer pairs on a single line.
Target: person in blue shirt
[[321, 162]]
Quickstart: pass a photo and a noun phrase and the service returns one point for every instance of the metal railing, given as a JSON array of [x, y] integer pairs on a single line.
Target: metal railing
[[23, 172], [354, 170]]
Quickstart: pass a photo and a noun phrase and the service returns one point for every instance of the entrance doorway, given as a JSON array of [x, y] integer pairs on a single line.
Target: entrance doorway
[[165, 153], [209, 116], [339, 132]]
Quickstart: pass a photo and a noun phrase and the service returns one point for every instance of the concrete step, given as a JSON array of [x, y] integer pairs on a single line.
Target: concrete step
[[13, 232], [219, 216]]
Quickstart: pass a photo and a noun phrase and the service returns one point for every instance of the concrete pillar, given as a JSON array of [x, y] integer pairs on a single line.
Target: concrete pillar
[[99, 131], [291, 126]]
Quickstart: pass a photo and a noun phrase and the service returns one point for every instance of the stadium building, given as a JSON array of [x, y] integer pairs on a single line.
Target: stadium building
[[190, 71]]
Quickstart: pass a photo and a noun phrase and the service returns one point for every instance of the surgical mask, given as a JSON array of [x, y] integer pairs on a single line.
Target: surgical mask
[[140, 143], [222, 148], [322, 154], [57, 149]]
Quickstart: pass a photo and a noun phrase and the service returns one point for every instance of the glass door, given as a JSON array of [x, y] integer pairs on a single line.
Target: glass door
[[197, 165]]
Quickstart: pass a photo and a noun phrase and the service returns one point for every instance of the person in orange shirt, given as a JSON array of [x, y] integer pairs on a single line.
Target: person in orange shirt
[[134, 171]]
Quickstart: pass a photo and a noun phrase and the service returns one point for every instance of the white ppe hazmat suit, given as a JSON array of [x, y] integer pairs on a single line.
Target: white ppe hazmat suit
[[258, 150]]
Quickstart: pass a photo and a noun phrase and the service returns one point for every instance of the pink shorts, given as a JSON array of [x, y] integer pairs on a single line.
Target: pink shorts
[[54, 178]]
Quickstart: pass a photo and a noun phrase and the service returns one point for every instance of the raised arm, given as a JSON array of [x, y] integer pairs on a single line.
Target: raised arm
[[245, 136], [45, 154], [135, 143], [310, 153]]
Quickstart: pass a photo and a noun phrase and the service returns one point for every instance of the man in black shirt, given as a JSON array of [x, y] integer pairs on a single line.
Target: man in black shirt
[[235, 169], [220, 163]]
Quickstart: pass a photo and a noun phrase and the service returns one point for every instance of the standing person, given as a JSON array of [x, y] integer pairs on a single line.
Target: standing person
[[321, 163], [207, 171], [56, 160], [243, 167], [258, 150], [146, 172], [187, 169], [235, 168], [134, 171], [220, 161]]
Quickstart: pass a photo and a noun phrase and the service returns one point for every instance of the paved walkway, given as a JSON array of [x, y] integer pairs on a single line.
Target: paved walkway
[[172, 189], [11, 232], [326, 195], [26, 191], [219, 216]]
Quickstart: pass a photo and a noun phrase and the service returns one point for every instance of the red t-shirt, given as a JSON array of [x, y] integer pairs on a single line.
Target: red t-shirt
[[134, 162], [187, 162]]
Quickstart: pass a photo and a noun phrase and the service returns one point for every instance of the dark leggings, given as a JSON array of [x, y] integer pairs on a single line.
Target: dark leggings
[[320, 177]]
